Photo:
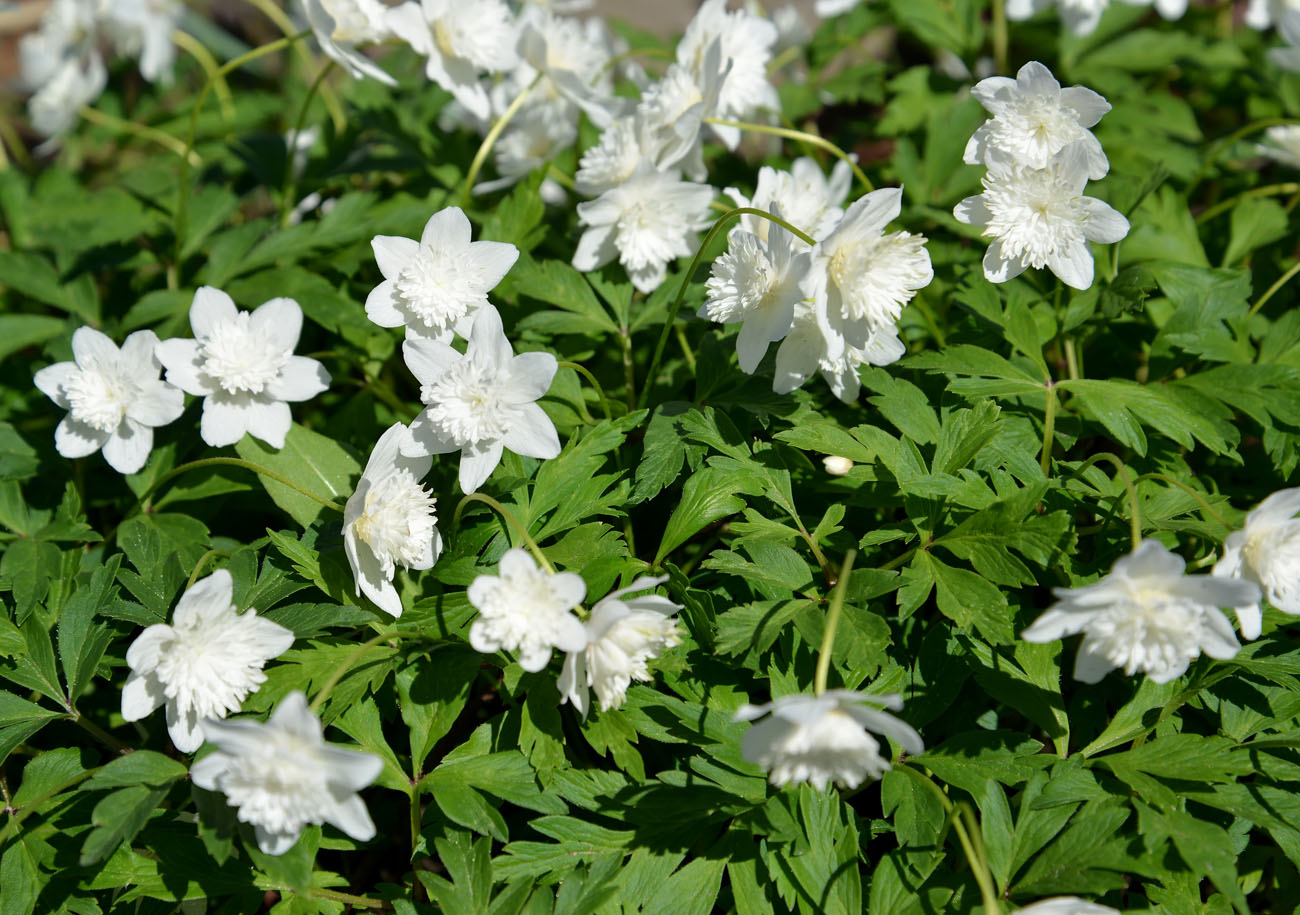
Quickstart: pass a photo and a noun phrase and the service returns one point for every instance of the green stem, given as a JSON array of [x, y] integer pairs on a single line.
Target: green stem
[[1000, 35], [1206, 506], [928, 316], [142, 131], [726, 217], [789, 134], [687, 353], [16, 819], [1268, 190], [629, 367], [247, 465], [188, 43], [1049, 430], [1226, 143], [591, 379], [1135, 518], [558, 176], [99, 733], [357, 902], [898, 560], [289, 192], [341, 671], [1272, 290], [490, 140], [198, 566], [510, 518], [832, 623]]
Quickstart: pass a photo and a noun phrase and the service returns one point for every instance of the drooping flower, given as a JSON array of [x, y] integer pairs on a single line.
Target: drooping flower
[[114, 398], [1038, 217], [341, 25], [865, 277], [758, 283], [823, 739], [389, 520], [480, 402], [1034, 119], [527, 611], [648, 220], [436, 286], [671, 117], [242, 365], [282, 776], [1066, 905], [1282, 144], [204, 664], [459, 39], [1146, 615], [623, 634], [1266, 551]]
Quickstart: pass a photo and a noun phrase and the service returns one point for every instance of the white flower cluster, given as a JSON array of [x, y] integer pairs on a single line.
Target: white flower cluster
[[1083, 16], [1040, 154], [834, 304], [241, 363], [62, 63]]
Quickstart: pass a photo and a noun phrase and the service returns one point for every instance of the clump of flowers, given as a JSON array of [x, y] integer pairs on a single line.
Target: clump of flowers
[[527, 611]]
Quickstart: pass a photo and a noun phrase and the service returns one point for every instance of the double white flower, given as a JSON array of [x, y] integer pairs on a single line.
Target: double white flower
[[823, 739], [389, 520], [480, 402], [1146, 615], [1266, 551], [341, 25], [282, 776], [204, 664], [623, 635], [527, 611], [114, 398], [242, 365]]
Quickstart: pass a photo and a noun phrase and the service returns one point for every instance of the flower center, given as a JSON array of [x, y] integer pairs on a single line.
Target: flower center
[[212, 665], [1034, 215], [876, 277], [280, 786], [239, 359], [397, 521], [435, 291], [467, 402], [98, 398]]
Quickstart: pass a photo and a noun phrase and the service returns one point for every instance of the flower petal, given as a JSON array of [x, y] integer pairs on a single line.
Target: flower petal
[[74, 439], [51, 380], [393, 253], [93, 348], [279, 320], [141, 695], [157, 404], [224, 420], [477, 464], [269, 420], [299, 379], [210, 308], [532, 434], [128, 447]]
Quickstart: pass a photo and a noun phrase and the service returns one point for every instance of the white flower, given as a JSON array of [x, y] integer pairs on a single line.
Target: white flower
[[1146, 615], [1288, 56], [204, 664], [480, 402], [804, 196], [1282, 144], [1066, 905], [76, 83], [389, 520], [866, 276], [821, 739], [1080, 16], [745, 42], [812, 345], [827, 8], [671, 117], [760, 284], [1038, 217], [242, 365], [1168, 9], [837, 465], [114, 398], [527, 611], [648, 220], [1260, 14], [622, 635], [143, 29], [1034, 119], [535, 136], [613, 159], [437, 285], [460, 39], [67, 30], [282, 776], [1266, 551], [573, 55], [341, 25]]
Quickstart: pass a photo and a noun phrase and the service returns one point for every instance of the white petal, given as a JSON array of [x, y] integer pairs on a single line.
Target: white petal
[[428, 359], [300, 379], [381, 305], [1073, 265], [427, 438], [595, 249], [211, 307], [1251, 620], [492, 260], [137, 354], [92, 348], [213, 595], [350, 816], [157, 404], [972, 211], [477, 465], [530, 377], [128, 447], [1087, 103], [209, 769], [532, 434], [51, 379], [487, 341], [1104, 224], [279, 320], [999, 268], [573, 682], [141, 695], [447, 229], [348, 769], [183, 727], [1091, 665], [181, 359], [269, 421], [74, 439], [224, 420], [294, 716], [275, 843], [1217, 638]]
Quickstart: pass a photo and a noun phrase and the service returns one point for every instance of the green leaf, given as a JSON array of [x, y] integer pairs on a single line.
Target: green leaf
[[1255, 222], [1207, 849], [556, 283], [18, 459], [433, 690], [1137, 716], [1123, 407], [313, 462], [968, 760], [18, 332], [21, 876], [142, 767], [708, 496], [36, 278], [118, 818]]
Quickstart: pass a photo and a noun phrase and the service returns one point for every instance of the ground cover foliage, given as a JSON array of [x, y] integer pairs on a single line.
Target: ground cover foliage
[[1176, 372]]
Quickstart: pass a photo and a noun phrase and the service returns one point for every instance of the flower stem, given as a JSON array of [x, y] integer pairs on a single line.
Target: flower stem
[[1206, 506], [1135, 517], [1272, 290], [510, 518], [289, 192], [99, 733], [802, 135], [142, 131], [493, 133], [1226, 143], [978, 862], [357, 902], [342, 669], [1000, 35], [247, 465], [928, 316], [187, 42], [1270, 190], [1049, 430], [591, 379], [725, 218], [198, 566], [832, 623]]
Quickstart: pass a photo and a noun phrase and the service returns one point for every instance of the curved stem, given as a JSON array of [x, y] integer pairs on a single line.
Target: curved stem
[[357, 902], [198, 566], [1272, 290], [510, 518], [142, 131], [799, 135], [978, 864], [285, 25], [247, 465], [928, 316], [290, 189], [1226, 143], [591, 379], [1135, 518], [490, 140], [1206, 506], [1049, 430], [1268, 190], [726, 217], [188, 43], [832, 623], [99, 733], [341, 671]]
